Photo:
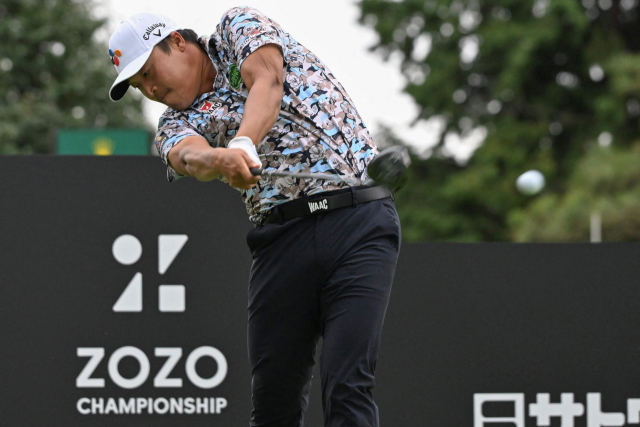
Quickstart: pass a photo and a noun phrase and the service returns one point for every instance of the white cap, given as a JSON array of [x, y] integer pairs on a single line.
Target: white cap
[[131, 45]]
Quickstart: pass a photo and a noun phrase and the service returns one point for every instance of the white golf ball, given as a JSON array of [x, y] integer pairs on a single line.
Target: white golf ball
[[530, 182]]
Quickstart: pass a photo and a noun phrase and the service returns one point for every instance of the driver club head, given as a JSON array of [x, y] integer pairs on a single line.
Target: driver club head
[[389, 166]]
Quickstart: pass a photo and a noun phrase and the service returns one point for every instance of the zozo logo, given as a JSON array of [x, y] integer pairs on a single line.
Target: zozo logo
[[173, 355], [127, 250]]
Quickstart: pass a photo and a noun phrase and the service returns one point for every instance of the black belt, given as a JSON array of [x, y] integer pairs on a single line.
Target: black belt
[[327, 201]]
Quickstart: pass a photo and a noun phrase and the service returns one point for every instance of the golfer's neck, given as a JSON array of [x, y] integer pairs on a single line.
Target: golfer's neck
[[208, 74]]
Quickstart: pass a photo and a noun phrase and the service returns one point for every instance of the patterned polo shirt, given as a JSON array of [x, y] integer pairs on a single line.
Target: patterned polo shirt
[[318, 128]]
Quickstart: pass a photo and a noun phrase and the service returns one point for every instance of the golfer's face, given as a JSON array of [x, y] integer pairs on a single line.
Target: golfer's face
[[166, 79]]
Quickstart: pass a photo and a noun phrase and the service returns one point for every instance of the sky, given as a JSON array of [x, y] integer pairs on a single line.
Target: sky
[[333, 34]]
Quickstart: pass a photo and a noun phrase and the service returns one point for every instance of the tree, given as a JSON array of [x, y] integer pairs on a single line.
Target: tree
[[546, 79], [605, 182], [53, 74]]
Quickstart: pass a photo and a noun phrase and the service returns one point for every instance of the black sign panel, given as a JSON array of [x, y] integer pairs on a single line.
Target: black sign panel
[[513, 335], [123, 302], [124, 296]]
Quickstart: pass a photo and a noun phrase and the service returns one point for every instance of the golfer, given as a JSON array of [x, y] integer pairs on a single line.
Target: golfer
[[324, 253]]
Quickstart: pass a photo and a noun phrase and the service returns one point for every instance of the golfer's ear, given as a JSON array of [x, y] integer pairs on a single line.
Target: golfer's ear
[[179, 41]]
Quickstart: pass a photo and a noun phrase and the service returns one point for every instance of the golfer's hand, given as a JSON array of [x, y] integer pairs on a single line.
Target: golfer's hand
[[234, 164]]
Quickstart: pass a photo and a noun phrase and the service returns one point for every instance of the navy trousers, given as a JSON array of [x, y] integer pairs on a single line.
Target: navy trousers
[[318, 276]]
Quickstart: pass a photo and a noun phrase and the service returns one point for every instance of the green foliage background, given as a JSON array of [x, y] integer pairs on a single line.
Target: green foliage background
[[563, 75], [49, 65], [534, 86]]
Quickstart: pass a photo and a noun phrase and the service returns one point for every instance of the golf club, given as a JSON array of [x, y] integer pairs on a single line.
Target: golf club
[[387, 168]]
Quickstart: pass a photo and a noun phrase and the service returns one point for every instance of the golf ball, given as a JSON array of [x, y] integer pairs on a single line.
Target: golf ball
[[530, 182]]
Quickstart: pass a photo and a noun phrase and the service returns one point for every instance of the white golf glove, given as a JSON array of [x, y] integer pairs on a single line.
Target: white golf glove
[[245, 143]]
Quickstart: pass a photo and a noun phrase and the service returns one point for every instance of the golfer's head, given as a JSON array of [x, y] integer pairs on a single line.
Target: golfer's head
[[151, 53]]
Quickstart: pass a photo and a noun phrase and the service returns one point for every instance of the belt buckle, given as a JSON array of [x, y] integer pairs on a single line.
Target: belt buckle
[[319, 205]]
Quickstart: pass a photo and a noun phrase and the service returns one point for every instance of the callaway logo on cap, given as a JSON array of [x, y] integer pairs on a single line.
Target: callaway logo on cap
[[131, 45]]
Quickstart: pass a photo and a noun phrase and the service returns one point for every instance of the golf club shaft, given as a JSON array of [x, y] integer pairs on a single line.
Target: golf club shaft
[[324, 176], [387, 168]]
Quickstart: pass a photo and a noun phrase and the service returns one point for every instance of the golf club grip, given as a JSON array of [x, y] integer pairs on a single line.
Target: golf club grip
[[256, 171]]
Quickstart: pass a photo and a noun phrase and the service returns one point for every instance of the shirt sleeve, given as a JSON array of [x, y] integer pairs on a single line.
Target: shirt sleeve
[[245, 30], [171, 130]]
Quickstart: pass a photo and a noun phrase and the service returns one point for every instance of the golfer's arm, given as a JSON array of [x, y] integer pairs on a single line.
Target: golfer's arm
[[194, 157], [263, 74]]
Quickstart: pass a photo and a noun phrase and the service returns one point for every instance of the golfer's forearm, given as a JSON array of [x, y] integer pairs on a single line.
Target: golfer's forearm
[[200, 162], [261, 109]]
